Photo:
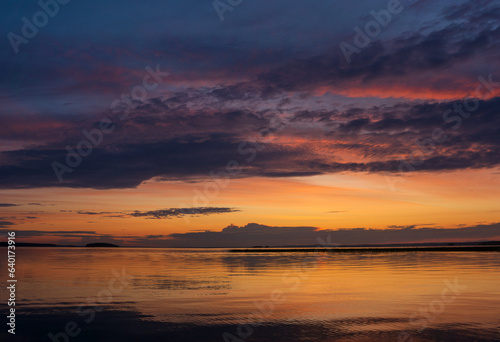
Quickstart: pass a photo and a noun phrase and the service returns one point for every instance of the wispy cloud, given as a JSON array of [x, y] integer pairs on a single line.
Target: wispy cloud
[[93, 212], [179, 212], [164, 213], [6, 224]]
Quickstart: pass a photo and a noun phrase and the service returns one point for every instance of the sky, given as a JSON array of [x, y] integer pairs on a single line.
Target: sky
[[239, 123]]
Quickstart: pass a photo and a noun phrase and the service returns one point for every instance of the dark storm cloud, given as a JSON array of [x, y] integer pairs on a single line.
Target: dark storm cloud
[[9, 205], [128, 165], [383, 134]]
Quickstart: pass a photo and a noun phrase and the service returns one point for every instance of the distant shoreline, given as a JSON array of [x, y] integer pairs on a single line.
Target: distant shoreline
[[417, 247], [370, 249]]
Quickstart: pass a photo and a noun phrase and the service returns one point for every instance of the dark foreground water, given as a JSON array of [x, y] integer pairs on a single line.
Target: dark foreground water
[[84, 294]]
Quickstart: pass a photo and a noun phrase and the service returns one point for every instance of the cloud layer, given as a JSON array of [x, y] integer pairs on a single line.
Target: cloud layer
[[280, 100], [254, 234]]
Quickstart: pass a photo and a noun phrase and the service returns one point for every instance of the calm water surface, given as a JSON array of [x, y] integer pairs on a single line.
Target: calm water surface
[[215, 295]]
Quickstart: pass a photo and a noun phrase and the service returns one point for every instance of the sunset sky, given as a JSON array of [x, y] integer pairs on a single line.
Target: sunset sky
[[198, 123]]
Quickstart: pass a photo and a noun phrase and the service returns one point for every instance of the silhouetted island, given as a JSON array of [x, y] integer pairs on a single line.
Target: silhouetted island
[[101, 244]]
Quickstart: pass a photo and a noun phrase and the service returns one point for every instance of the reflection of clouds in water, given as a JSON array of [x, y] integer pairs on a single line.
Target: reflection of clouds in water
[[157, 282], [307, 262], [254, 263], [263, 260]]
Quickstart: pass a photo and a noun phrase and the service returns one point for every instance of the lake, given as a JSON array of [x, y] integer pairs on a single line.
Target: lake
[[142, 294]]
